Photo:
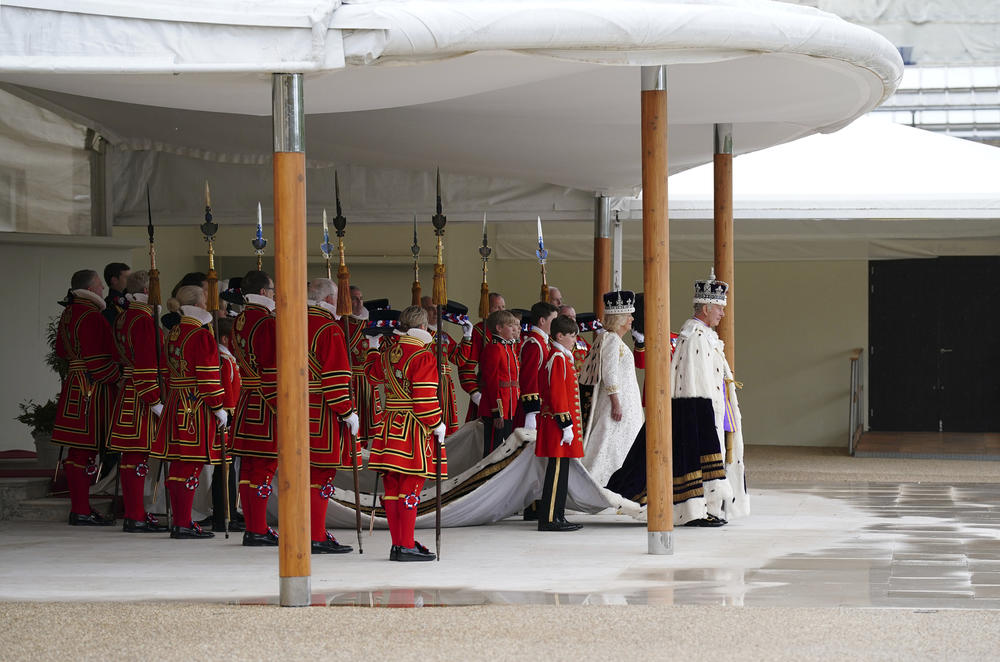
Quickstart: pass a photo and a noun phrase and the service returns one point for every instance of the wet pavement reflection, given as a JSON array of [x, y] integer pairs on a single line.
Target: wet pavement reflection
[[926, 547]]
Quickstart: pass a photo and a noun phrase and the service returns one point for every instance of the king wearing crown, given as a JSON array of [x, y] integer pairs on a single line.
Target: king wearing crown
[[709, 485]]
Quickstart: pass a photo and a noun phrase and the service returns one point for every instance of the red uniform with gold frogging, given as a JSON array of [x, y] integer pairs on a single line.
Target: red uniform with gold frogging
[[189, 427], [329, 403], [133, 432], [450, 350], [365, 395], [253, 345], [405, 451], [83, 418]]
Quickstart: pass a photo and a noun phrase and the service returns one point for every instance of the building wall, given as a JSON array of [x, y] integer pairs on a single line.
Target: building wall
[[796, 322]]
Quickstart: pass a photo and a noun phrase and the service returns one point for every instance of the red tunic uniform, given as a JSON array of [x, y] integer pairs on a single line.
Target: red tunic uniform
[[189, 429], [134, 427], [366, 396], [254, 349], [232, 384], [83, 416], [469, 353], [409, 373], [534, 351], [329, 392], [405, 450], [498, 380], [451, 355], [560, 407]]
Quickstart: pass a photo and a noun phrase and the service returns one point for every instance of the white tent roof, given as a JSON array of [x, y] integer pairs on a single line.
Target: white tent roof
[[537, 91]]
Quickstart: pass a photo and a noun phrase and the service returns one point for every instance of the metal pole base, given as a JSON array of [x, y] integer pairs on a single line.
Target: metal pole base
[[295, 591], [661, 542]]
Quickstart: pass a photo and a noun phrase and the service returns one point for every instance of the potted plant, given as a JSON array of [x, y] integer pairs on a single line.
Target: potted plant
[[41, 418]]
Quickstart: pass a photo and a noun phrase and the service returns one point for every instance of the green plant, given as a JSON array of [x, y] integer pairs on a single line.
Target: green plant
[[58, 364], [41, 418]]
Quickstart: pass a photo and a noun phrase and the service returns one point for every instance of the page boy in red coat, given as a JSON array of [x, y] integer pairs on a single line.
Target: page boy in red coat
[[498, 374], [560, 435]]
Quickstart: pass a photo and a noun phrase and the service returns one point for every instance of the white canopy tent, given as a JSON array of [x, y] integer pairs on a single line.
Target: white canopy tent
[[537, 97]]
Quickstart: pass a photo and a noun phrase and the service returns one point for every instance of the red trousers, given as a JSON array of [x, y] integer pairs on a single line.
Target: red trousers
[[132, 470], [255, 487], [81, 469], [320, 493], [402, 495], [182, 480]]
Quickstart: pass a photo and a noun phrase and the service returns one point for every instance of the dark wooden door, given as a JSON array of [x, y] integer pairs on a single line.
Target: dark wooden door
[[934, 344]]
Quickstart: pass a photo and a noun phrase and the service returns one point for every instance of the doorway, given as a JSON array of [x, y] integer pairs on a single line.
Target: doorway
[[934, 344]]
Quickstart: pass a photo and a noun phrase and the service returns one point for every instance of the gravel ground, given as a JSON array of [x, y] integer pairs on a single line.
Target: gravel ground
[[83, 631]]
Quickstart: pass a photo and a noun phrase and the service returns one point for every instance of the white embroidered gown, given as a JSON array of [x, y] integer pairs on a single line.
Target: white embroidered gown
[[610, 368]]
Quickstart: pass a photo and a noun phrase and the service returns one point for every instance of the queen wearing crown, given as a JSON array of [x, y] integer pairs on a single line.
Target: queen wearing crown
[[616, 412]]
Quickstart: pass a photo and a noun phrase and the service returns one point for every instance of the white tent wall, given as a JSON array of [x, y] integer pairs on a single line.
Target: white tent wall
[[37, 269]]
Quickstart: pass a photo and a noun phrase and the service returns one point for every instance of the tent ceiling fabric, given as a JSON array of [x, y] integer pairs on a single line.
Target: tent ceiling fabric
[[537, 90]]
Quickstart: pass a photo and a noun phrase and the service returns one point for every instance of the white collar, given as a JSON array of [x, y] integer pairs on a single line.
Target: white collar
[[363, 316], [327, 306], [420, 335], [139, 298], [535, 329], [225, 350], [197, 313], [92, 297], [562, 349], [260, 300]]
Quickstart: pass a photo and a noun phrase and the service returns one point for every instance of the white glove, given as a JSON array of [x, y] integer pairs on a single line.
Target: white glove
[[476, 397], [353, 423], [439, 433], [365, 454], [222, 417], [638, 336], [529, 420], [157, 409], [467, 329], [373, 341], [567, 437]]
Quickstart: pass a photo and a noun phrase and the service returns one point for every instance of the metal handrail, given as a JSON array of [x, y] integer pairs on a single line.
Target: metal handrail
[[856, 424]]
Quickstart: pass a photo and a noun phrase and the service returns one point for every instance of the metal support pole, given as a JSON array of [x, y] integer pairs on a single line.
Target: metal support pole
[[291, 329], [602, 251], [725, 269], [616, 253], [656, 283]]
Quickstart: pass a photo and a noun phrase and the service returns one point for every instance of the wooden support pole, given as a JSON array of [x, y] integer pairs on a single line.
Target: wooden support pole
[[602, 252], [656, 284], [290, 311], [725, 263]]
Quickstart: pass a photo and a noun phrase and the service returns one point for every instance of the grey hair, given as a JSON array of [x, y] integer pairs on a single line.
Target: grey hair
[[321, 288], [137, 281], [412, 317]]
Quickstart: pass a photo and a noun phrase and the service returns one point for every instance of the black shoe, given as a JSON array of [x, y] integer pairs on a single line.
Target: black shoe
[[195, 532], [709, 521], [394, 553], [558, 525], [330, 546], [148, 525], [93, 519], [269, 539], [530, 513], [416, 553]]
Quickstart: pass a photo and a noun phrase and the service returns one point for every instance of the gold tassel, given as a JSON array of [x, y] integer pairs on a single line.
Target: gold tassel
[[484, 301], [344, 306], [415, 299], [154, 287], [212, 287], [440, 296]]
